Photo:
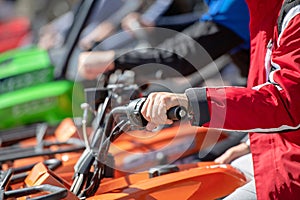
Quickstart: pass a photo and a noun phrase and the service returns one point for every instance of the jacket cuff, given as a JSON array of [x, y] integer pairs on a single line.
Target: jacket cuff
[[198, 106]]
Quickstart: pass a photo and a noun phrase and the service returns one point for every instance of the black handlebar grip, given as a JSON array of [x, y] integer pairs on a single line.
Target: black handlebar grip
[[176, 113]]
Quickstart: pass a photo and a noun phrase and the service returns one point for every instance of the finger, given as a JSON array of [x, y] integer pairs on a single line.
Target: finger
[[85, 45], [145, 109], [162, 113], [150, 107], [168, 121], [157, 111], [221, 160], [225, 158], [165, 105], [150, 126]]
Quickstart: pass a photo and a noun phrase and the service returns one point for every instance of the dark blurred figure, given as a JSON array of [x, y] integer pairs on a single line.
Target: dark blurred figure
[[172, 14], [224, 28]]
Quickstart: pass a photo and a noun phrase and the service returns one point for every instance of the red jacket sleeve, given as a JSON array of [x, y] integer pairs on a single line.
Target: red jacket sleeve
[[270, 107]]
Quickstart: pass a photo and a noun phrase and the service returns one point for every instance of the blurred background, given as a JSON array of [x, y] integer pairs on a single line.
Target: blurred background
[[158, 45], [38, 13]]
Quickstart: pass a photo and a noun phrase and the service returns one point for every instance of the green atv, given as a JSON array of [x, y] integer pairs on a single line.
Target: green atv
[[30, 89]]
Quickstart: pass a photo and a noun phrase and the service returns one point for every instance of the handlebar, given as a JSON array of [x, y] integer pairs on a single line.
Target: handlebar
[[102, 139], [136, 118], [176, 113]]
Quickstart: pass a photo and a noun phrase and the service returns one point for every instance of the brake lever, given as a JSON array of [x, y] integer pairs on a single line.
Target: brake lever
[[82, 169], [83, 176]]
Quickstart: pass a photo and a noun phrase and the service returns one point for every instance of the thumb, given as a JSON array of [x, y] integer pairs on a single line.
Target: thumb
[[150, 126], [223, 159]]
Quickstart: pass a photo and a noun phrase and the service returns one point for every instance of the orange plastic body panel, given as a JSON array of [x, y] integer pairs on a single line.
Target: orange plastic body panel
[[66, 170], [66, 130], [139, 150], [63, 132], [40, 175], [134, 151], [175, 142], [207, 181]]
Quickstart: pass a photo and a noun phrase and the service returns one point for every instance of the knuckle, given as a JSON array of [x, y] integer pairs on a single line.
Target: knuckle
[[152, 95]]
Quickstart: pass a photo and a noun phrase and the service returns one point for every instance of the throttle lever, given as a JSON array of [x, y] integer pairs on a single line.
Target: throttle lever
[[136, 118]]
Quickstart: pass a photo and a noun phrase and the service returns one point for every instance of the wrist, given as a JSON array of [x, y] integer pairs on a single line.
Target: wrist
[[246, 148]]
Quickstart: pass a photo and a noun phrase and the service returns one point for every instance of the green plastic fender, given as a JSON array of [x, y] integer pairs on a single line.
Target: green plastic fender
[[48, 102], [23, 68]]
